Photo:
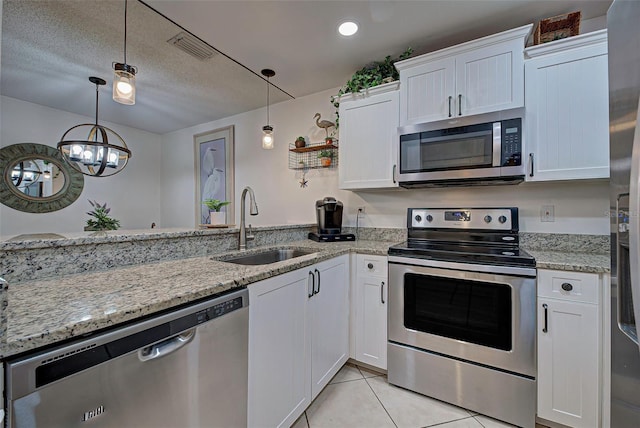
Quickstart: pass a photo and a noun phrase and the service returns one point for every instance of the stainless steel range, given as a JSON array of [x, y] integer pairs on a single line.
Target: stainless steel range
[[462, 312]]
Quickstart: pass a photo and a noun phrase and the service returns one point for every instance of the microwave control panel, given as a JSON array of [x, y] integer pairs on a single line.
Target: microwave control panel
[[511, 142]]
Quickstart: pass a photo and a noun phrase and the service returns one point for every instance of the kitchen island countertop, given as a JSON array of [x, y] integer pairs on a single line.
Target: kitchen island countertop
[[47, 311]]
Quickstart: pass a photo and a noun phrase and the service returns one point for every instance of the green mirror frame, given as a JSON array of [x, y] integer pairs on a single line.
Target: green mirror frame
[[14, 198]]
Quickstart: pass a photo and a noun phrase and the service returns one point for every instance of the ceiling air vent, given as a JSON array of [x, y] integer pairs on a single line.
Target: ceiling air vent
[[193, 46]]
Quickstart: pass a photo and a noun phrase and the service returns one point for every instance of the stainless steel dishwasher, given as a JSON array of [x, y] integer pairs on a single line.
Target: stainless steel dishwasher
[[187, 368]]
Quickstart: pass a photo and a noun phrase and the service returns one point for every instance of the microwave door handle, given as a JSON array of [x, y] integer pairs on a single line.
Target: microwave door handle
[[497, 144], [634, 224]]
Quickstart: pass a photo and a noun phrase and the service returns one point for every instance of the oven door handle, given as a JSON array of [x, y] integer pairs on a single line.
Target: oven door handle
[[545, 329]]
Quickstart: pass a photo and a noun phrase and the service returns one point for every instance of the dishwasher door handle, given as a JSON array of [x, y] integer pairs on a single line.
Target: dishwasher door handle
[[166, 346]]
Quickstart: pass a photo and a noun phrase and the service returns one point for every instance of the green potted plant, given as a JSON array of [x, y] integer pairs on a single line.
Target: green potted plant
[[372, 74], [214, 205], [300, 142], [325, 157], [101, 220]]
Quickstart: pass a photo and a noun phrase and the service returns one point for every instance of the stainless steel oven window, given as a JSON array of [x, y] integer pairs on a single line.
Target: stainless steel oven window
[[473, 311], [520, 359]]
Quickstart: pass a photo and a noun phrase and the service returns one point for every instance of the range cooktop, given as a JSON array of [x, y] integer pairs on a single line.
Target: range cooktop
[[473, 235]]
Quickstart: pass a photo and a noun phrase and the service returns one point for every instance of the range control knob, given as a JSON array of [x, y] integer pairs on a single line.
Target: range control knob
[[418, 218], [502, 219], [487, 219], [429, 218]]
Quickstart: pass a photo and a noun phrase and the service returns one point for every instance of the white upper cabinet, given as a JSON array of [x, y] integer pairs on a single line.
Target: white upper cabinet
[[567, 108], [367, 151], [481, 76]]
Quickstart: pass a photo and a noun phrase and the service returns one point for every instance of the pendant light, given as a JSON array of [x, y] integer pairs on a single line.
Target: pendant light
[[124, 75], [87, 148], [267, 130]]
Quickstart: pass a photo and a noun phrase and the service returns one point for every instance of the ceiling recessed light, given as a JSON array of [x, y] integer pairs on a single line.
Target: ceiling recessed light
[[348, 28]]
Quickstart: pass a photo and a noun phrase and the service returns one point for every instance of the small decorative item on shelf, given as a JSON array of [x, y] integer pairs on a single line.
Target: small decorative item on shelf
[[300, 143], [325, 157], [102, 220], [557, 27], [214, 205], [324, 124]]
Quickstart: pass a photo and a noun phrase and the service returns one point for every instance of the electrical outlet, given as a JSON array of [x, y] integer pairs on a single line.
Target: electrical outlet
[[361, 210], [547, 213]]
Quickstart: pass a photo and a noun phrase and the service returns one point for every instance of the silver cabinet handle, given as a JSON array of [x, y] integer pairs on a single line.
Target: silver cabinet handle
[[393, 174], [313, 284], [530, 164], [166, 346], [566, 286], [459, 104], [317, 291], [450, 97], [382, 292], [545, 329]]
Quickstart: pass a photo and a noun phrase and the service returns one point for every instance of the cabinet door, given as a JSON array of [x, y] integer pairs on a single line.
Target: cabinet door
[[568, 361], [279, 344], [371, 321], [427, 92], [490, 79], [568, 114], [368, 141], [329, 322]]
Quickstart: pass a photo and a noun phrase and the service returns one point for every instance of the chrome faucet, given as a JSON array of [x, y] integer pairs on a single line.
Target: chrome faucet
[[253, 210]]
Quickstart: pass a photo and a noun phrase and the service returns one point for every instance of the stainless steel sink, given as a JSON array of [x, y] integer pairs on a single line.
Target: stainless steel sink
[[268, 257]]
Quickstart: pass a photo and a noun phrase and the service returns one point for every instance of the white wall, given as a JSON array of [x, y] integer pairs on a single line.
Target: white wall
[[133, 194], [580, 207]]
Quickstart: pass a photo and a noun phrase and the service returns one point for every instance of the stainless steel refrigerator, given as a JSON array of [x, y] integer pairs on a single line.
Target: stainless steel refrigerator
[[623, 25]]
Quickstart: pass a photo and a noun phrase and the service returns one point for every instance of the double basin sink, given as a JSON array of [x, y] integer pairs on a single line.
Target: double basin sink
[[268, 257]]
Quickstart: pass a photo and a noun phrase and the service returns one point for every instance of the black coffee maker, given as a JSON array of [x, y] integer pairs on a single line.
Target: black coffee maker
[[329, 219]]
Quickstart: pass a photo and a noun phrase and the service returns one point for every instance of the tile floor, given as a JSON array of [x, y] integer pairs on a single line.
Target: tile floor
[[357, 397]]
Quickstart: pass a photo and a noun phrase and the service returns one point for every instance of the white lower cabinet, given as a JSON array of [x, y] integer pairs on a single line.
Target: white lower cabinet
[[371, 290], [298, 339], [570, 348]]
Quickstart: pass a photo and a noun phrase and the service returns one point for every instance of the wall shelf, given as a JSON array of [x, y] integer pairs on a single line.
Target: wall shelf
[[307, 157]]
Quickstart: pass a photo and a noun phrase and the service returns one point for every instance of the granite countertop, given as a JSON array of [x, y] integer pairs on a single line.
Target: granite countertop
[[43, 312], [572, 261]]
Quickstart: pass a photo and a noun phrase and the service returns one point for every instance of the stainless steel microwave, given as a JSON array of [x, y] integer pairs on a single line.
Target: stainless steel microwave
[[472, 153]]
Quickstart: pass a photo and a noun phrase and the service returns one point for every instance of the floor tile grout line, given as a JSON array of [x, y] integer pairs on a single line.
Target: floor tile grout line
[[343, 381], [479, 421], [307, 418], [380, 401], [448, 422]]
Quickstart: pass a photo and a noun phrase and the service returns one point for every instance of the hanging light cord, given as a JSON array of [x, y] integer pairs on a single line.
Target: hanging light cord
[[268, 101], [97, 89], [125, 31]]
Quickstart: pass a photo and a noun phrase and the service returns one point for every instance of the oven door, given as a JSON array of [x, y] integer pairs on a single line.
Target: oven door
[[480, 317]]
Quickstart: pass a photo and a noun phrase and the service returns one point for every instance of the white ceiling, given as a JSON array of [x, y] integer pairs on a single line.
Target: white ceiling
[[46, 48]]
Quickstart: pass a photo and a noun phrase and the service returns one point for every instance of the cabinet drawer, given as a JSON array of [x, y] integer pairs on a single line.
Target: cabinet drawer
[[372, 265], [573, 286]]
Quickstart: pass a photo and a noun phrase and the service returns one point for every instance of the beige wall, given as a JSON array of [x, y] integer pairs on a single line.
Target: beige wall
[[580, 207]]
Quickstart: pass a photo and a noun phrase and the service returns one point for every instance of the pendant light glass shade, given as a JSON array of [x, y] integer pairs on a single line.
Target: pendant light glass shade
[[124, 84], [93, 149], [124, 75], [267, 130], [267, 137]]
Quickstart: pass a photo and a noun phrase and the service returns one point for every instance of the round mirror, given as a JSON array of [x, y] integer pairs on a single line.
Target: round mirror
[[36, 179]]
